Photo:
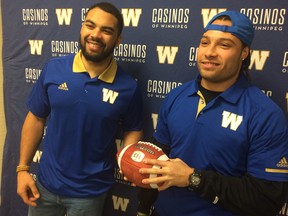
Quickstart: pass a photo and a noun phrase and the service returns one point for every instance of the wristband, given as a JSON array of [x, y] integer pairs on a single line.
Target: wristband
[[21, 168], [142, 214]]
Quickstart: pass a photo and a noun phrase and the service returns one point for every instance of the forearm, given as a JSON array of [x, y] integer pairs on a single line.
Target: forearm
[[31, 136], [131, 137], [246, 195], [147, 197]]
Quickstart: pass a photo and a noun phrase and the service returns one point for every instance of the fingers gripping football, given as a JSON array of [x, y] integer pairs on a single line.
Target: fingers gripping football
[[130, 160], [174, 172]]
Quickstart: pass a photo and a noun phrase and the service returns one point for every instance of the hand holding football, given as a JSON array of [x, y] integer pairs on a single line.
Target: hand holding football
[[130, 159]]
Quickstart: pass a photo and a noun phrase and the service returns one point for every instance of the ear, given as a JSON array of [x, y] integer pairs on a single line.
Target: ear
[[245, 52]]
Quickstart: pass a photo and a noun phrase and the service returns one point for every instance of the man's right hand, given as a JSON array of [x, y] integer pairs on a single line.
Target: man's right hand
[[26, 188]]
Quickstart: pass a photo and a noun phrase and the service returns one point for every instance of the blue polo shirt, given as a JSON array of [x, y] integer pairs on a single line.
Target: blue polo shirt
[[240, 131], [84, 115]]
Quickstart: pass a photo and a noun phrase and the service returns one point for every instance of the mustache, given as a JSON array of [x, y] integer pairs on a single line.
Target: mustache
[[96, 40]]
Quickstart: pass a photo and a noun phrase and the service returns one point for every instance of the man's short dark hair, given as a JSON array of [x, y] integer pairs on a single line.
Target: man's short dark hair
[[110, 8]]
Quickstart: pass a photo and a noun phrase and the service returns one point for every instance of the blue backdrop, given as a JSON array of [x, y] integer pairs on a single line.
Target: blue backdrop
[[159, 48]]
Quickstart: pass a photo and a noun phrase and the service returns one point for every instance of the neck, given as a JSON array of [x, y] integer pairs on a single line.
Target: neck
[[96, 68], [208, 94], [216, 86]]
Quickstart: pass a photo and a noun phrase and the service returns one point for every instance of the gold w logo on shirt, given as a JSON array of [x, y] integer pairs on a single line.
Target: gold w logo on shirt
[[231, 119], [109, 95]]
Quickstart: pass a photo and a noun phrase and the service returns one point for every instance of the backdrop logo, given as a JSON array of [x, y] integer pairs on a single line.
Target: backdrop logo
[[64, 15], [172, 18], [287, 101], [284, 210], [83, 13], [119, 177], [160, 88], [258, 59], [36, 47], [37, 156], [32, 75], [154, 117], [35, 16], [131, 15], [62, 48], [285, 63], [120, 203], [209, 13], [167, 53], [130, 53], [266, 19], [193, 56], [268, 93]]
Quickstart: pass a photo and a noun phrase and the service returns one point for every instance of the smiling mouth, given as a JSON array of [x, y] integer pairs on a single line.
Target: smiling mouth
[[207, 65], [210, 63], [95, 44]]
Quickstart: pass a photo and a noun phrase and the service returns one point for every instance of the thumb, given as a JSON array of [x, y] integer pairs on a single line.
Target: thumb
[[35, 193]]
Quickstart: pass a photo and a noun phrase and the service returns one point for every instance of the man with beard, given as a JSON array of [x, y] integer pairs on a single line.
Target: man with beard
[[84, 98]]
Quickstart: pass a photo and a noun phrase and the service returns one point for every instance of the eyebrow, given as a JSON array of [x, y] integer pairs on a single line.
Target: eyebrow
[[219, 39], [89, 21], [103, 27]]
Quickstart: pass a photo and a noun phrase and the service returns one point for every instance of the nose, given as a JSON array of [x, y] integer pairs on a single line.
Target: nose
[[210, 51], [96, 33]]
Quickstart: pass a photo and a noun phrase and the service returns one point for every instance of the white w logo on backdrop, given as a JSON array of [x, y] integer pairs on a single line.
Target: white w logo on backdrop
[[120, 203], [64, 15], [167, 52], [231, 119], [36, 47], [259, 58], [131, 16], [208, 13]]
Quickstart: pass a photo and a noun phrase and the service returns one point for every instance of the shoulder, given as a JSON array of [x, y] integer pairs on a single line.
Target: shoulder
[[62, 62], [56, 66], [263, 110], [122, 75], [185, 89], [178, 95], [252, 99], [61, 59], [260, 100]]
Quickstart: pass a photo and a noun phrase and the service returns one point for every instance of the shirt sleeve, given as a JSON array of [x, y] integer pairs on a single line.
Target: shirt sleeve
[[246, 195], [38, 101], [162, 134], [133, 120], [268, 151]]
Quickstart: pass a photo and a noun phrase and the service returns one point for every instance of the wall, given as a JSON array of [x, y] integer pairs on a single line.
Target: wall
[[2, 116]]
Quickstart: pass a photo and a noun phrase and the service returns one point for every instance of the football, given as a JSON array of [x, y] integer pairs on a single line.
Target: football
[[130, 159]]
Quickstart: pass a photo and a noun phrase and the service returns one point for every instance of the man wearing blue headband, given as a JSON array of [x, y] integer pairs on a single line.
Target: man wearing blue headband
[[227, 141]]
